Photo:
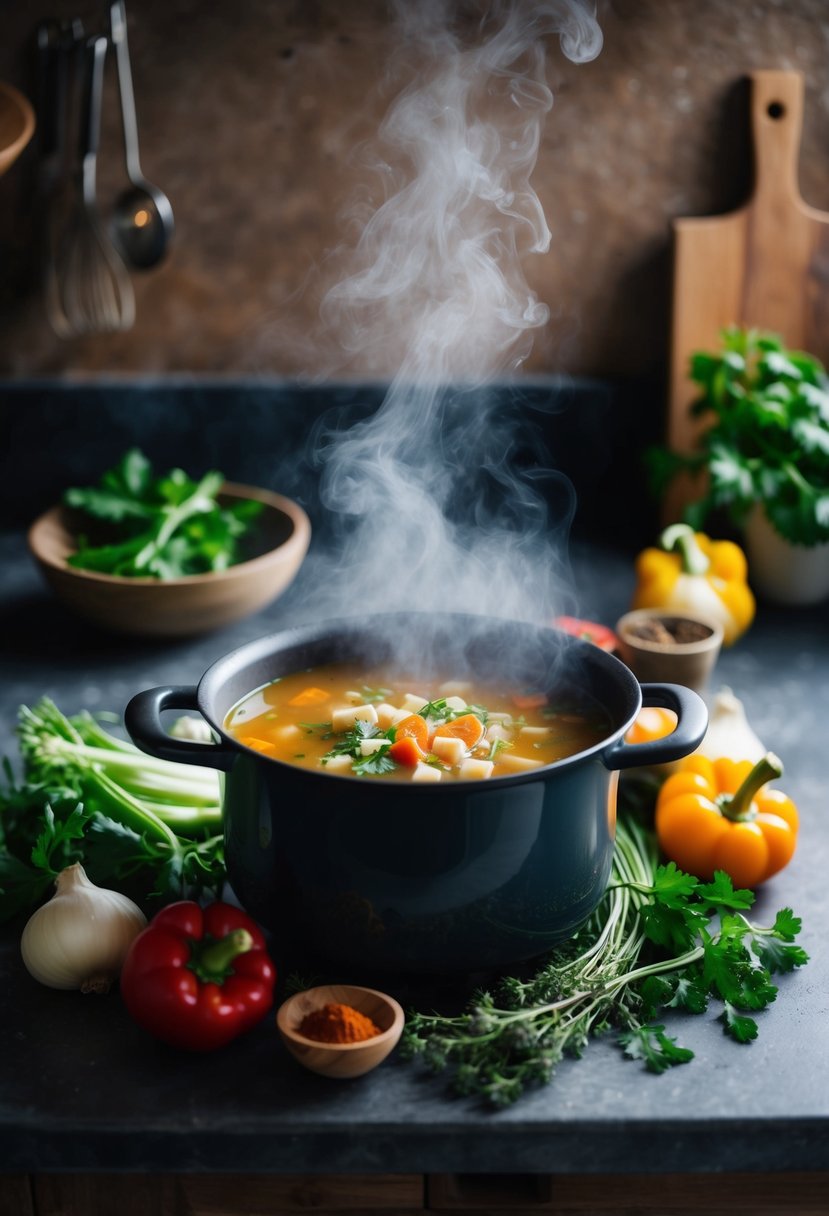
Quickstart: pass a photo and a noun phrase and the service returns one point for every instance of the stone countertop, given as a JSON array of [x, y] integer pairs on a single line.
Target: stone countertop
[[85, 1089]]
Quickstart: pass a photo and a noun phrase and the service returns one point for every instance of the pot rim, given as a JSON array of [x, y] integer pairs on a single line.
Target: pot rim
[[260, 648]]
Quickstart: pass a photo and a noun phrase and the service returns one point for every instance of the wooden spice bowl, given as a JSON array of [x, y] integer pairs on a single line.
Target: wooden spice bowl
[[341, 1059], [177, 607], [674, 662]]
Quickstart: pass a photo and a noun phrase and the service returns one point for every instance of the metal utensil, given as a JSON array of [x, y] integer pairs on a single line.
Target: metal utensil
[[92, 287], [142, 221], [56, 47]]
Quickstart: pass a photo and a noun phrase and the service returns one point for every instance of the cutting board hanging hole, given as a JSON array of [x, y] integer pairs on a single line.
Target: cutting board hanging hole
[[776, 110]]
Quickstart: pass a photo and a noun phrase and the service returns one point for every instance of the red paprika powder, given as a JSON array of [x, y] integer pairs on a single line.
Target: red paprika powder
[[338, 1024]]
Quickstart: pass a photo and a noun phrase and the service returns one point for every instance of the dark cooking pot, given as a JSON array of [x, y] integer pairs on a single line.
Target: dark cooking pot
[[460, 876]]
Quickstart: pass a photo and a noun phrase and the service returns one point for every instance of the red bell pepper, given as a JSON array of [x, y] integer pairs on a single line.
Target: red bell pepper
[[198, 977], [588, 631]]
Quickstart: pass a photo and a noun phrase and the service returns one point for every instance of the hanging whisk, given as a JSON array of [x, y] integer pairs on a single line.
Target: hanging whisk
[[88, 290]]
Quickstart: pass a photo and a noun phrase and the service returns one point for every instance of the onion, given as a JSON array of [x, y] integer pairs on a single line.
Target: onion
[[729, 734], [80, 938]]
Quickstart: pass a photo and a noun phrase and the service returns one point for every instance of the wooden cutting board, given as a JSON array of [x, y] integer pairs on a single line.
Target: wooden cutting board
[[765, 265]]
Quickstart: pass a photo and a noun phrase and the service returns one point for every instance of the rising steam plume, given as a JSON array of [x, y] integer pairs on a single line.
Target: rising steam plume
[[433, 513]]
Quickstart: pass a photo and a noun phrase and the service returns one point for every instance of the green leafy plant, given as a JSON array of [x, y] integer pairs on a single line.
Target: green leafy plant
[[661, 940], [88, 796], [159, 527], [768, 441]]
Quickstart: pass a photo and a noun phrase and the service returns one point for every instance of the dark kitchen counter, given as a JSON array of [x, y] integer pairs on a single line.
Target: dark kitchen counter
[[83, 1089]]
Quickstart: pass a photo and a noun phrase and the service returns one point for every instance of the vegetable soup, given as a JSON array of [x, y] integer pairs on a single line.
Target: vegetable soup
[[341, 719]]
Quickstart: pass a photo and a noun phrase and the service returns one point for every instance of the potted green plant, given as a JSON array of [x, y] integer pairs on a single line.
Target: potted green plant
[[764, 459]]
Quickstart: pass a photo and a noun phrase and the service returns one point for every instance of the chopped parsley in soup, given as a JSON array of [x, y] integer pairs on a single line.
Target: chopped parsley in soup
[[331, 719]]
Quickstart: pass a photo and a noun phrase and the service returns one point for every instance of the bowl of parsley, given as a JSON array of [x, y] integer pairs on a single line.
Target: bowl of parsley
[[166, 555]]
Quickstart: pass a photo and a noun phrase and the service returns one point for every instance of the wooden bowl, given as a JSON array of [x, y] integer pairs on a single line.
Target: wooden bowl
[[688, 663], [177, 607], [17, 124], [341, 1059]]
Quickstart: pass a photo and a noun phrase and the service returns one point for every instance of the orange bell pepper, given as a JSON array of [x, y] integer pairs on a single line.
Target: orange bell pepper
[[720, 815]]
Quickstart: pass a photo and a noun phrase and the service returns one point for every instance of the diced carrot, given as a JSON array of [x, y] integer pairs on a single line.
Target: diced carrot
[[416, 727], [530, 700], [468, 728], [406, 751], [258, 745], [310, 696]]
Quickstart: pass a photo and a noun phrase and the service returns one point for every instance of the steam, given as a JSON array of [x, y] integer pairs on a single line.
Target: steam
[[434, 512]]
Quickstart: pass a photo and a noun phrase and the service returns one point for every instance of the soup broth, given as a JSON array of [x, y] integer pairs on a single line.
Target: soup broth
[[381, 725]]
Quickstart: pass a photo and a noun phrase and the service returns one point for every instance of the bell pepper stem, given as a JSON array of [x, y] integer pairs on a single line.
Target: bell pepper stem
[[212, 961], [738, 806], [681, 539]]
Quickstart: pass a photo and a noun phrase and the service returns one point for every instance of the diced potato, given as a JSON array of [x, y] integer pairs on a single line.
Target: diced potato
[[454, 688], [400, 714], [414, 702], [476, 770], [368, 746], [425, 772], [354, 697], [344, 719], [448, 749], [496, 731], [287, 732], [504, 719], [456, 703], [386, 715], [535, 732], [517, 764], [338, 764]]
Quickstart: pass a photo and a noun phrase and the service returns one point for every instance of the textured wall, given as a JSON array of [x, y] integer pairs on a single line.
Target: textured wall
[[249, 113]]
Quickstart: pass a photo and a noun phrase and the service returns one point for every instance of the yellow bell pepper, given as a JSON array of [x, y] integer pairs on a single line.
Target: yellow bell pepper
[[691, 573], [719, 815]]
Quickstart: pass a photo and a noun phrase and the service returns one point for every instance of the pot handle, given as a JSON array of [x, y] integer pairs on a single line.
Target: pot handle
[[143, 722], [692, 723]]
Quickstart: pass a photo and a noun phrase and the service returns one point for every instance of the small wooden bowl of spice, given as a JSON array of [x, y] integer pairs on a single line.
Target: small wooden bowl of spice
[[340, 1030], [672, 647]]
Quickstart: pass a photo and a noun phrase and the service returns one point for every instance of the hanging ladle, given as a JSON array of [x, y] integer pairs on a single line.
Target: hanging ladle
[[142, 221]]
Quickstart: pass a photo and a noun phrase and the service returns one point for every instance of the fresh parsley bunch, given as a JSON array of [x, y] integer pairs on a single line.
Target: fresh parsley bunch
[[769, 436], [159, 526]]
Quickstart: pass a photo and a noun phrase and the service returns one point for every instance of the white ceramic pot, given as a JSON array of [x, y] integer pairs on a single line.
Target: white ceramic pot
[[783, 572]]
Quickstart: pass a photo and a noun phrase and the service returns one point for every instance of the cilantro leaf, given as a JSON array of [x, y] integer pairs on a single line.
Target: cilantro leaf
[[737, 1025], [721, 894], [777, 956], [54, 838], [786, 925], [672, 886], [672, 927], [690, 994], [375, 763], [653, 1046]]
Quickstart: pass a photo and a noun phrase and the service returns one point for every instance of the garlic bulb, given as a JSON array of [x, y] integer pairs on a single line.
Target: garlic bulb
[[729, 734], [80, 938]]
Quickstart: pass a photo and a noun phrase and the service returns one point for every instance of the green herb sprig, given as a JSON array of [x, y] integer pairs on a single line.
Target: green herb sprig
[[660, 940], [161, 527], [768, 441], [372, 765]]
